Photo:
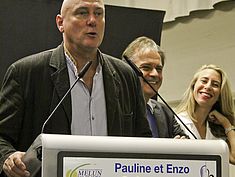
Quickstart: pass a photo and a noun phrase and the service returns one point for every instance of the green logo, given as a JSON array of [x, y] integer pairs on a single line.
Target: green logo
[[74, 173]]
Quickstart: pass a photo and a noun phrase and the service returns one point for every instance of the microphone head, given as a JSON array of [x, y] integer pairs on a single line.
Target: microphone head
[[133, 66], [84, 69]]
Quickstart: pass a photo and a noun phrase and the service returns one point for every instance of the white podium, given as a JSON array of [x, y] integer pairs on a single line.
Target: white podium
[[106, 156]]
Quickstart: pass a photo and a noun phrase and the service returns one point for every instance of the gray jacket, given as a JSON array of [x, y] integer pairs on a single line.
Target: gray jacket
[[167, 125]]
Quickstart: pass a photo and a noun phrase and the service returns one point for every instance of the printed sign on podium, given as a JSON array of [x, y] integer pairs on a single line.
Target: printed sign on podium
[[106, 156]]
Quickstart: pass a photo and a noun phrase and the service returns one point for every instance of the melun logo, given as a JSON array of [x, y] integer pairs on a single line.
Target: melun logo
[[83, 172]]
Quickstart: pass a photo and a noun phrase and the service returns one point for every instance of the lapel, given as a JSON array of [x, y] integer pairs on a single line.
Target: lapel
[[60, 78], [112, 89], [161, 121]]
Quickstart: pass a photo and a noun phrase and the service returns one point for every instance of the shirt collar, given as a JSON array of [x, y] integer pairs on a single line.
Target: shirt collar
[[152, 104], [73, 63]]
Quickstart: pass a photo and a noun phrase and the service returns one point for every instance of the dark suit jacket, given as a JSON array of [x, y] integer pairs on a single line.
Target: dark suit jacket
[[167, 125], [34, 85]]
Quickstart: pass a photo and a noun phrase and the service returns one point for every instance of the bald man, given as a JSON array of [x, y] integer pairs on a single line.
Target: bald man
[[107, 101]]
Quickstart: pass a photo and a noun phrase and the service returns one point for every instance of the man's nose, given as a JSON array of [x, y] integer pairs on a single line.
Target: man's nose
[[91, 21], [154, 72]]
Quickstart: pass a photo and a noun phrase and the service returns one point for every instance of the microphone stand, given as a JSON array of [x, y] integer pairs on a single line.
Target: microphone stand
[[140, 74], [33, 155], [80, 75]]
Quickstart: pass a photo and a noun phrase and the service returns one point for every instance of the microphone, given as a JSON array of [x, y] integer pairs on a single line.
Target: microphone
[[140, 74], [80, 75], [134, 67], [33, 155]]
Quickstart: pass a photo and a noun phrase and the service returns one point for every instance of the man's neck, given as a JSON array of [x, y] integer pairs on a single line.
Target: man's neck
[[81, 57]]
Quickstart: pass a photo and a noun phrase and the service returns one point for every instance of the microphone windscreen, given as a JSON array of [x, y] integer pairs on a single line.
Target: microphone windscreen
[[133, 66], [84, 69]]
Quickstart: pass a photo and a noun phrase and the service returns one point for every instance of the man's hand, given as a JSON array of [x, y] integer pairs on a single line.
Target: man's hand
[[14, 167], [180, 137]]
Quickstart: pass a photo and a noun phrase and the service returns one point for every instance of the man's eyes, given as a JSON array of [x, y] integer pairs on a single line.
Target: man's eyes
[[83, 12], [146, 68], [99, 12], [150, 68], [158, 69]]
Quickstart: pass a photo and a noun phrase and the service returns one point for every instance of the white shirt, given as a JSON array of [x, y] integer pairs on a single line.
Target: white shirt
[[88, 110], [189, 123]]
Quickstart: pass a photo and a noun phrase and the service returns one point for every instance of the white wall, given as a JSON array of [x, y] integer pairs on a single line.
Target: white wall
[[203, 37]]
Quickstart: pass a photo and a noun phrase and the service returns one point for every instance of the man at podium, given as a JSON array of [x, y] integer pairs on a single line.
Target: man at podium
[[106, 101]]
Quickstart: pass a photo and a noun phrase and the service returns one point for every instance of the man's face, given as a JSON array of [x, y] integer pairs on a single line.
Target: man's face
[[150, 65], [83, 22]]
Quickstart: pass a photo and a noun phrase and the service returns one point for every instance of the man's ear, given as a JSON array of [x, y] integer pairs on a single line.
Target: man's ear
[[59, 23]]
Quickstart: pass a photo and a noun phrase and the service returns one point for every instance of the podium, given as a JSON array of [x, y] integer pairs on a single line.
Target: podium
[[107, 156]]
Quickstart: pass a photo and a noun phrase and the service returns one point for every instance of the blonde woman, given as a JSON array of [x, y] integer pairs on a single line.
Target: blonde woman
[[207, 107]]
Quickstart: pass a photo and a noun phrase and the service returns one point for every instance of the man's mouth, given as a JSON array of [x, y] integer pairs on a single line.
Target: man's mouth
[[92, 34], [152, 81]]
